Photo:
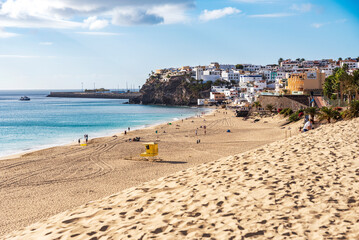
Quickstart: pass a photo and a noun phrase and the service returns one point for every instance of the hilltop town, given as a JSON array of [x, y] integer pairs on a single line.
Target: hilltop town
[[243, 83]]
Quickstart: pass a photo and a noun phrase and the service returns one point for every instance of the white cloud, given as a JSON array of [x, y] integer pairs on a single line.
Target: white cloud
[[271, 15], [218, 13], [46, 43], [93, 14], [100, 33], [171, 13], [306, 7], [133, 16], [318, 25], [94, 24], [4, 34]]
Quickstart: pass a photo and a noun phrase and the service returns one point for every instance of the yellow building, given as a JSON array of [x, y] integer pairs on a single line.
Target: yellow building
[[306, 82], [186, 68], [160, 71]]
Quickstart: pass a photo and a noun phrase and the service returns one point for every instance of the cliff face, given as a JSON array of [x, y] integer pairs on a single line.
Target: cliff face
[[176, 91]]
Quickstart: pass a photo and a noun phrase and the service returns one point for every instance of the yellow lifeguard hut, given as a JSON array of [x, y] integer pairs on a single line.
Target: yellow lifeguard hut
[[151, 150]]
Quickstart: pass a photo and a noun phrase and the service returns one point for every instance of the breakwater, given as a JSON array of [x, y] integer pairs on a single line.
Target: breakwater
[[128, 95]]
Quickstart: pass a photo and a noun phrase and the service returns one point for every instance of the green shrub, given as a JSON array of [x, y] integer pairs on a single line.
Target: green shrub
[[294, 117], [270, 107], [336, 115], [353, 109], [284, 110], [288, 112], [329, 113], [345, 114]]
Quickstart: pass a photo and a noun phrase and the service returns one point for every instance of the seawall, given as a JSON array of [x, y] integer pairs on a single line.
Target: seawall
[[130, 95], [287, 101]]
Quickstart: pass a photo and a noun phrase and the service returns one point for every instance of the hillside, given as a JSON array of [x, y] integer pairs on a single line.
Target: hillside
[[178, 90]]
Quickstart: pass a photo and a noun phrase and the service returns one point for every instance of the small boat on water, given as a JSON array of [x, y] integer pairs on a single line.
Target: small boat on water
[[24, 98]]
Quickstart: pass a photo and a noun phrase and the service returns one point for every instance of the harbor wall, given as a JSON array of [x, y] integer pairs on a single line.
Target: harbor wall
[[129, 95]]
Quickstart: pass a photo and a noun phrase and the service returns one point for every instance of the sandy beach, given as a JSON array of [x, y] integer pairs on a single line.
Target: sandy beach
[[41, 184], [303, 187]]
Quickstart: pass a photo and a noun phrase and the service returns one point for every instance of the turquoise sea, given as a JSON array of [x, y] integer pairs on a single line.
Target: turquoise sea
[[45, 122]]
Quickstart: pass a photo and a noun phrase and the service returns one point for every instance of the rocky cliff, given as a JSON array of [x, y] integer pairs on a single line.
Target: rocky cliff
[[178, 90]]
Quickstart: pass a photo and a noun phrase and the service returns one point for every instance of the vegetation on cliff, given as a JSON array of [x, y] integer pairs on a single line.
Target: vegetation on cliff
[[177, 90]]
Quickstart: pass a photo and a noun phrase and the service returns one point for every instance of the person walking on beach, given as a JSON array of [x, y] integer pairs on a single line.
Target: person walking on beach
[[79, 141], [196, 132], [125, 132], [128, 128], [308, 125]]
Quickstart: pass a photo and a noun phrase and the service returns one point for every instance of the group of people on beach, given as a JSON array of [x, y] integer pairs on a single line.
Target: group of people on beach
[[86, 137]]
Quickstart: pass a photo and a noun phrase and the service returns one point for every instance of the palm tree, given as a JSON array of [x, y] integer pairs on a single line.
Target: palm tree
[[354, 109], [280, 60], [312, 111], [327, 113], [356, 83], [270, 107], [257, 104]]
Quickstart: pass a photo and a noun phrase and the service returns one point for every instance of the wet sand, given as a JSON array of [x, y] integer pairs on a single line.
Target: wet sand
[[41, 184]]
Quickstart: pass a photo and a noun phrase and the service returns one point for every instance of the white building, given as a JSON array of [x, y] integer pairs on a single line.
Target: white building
[[351, 64], [289, 64], [200, 102], [231, 93], [281, 75], [250, 78], [328, 70], [271, 67], [227, 66], [230, 75], [213, 65], [260, 85], [218, 89], [211, 75], [251, 67], [197, 72]]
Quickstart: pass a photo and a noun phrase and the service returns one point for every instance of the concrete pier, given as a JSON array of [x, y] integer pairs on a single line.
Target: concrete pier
[[128, 95]]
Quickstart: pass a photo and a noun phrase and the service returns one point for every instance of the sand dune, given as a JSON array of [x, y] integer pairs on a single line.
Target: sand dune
[[304, 187]]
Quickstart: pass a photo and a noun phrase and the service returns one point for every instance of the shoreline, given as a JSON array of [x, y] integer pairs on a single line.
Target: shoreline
[[19, 154], [50, 181]]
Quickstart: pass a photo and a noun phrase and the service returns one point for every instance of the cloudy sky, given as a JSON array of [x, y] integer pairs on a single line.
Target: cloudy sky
[[58, 44]]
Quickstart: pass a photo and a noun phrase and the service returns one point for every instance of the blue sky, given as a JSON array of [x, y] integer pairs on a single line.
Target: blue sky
[[48, 44]]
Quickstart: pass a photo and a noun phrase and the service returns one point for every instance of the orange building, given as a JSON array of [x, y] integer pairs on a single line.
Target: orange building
[[217, 96], [306, 82]]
